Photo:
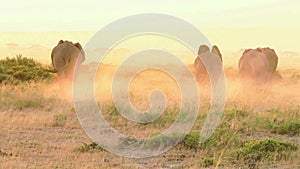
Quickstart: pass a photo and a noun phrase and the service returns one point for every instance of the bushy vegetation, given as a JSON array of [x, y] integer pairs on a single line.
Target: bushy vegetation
[[22, 69], [89, 148], [192, 139], [266, 149], [291, 128]]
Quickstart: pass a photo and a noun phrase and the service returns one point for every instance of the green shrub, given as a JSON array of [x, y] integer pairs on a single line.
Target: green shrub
[[290, 128], [89, 148], [266, 150], [22, 69], [192, 139]]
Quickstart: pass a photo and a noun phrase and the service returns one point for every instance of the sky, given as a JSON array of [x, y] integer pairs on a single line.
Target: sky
[[33, 27], [79, 15]]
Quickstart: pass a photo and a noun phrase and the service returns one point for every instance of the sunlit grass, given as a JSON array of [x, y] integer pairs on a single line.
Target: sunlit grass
[[259, 126]]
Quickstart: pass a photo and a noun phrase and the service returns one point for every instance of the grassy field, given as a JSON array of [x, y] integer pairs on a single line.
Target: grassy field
[[260, 127]]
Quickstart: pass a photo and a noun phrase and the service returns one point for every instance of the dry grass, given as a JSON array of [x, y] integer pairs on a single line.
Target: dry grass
[[39, 127]]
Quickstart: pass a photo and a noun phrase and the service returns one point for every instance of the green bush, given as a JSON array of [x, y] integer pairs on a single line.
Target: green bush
[[290, 128], [192, 139], [22, 69], [266, 150], [89, 148]]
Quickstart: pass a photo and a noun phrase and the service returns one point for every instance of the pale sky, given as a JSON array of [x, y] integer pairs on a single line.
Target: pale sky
[[79, 15], [35, 26]]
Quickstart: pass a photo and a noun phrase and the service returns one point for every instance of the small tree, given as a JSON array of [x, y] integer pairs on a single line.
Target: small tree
[[21, 69]]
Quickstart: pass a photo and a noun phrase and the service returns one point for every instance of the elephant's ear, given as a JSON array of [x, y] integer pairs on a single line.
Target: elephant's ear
[[216, 51], [246, 50], [78, 46], [203, 49], [60, 42], [81, 50], [259, 49]]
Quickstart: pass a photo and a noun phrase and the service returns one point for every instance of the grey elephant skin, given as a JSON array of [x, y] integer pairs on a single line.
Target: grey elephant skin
[[64, 57], [258, 65], [201, 74]]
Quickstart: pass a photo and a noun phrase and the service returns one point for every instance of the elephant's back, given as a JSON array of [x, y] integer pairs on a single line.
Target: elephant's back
[[65, 49], [253, 62], [64, 53]]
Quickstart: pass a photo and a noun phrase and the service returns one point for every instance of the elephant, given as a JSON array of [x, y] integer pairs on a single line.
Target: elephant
[[258, 64], [64, 57], [272, 59], [201, 73]]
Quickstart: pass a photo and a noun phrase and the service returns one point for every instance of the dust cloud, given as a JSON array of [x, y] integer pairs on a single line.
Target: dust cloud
[[271, 95]]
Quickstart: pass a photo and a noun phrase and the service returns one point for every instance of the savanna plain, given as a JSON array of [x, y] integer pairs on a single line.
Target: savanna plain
[[260, 126]]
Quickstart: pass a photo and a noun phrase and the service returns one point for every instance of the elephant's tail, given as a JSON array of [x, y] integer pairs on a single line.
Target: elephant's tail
[[52, 71]]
